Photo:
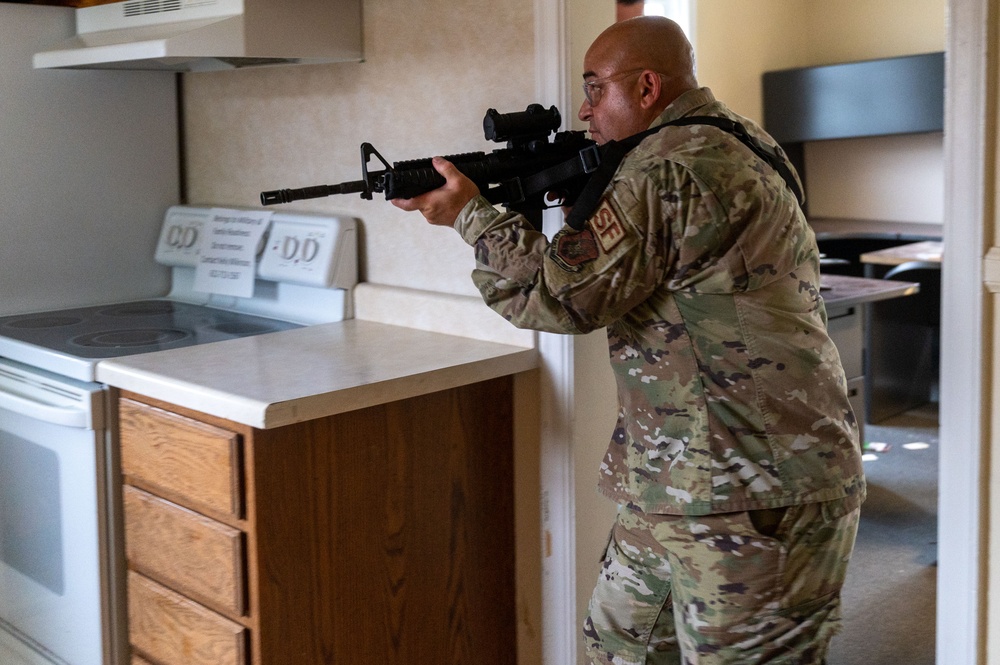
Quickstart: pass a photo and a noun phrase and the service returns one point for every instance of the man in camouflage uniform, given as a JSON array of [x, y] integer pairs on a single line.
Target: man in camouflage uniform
[[735, 459]]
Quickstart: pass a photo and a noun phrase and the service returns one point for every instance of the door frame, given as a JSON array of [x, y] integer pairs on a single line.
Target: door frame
[[969, 161], [969, 156]]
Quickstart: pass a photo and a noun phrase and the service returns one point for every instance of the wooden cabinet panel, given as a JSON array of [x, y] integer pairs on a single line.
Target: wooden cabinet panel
[[172, 630], [195, 462], [186, 551], [388, 532]]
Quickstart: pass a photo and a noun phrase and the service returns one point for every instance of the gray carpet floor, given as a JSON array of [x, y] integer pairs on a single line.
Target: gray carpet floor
[[890, 594]]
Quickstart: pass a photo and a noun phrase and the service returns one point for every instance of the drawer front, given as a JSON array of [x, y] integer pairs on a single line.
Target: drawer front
[[847, 332], [169, 629], [198, 462], [186, 551]]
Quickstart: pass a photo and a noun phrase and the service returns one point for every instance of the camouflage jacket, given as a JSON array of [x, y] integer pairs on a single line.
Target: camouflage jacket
[[702, 267]]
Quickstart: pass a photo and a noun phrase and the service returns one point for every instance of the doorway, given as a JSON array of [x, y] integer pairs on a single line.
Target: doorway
[[961, 581]]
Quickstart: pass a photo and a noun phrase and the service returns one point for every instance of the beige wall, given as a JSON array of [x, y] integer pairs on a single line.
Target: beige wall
[[431, 71], [846, 30], [883, 178], [738, 40]]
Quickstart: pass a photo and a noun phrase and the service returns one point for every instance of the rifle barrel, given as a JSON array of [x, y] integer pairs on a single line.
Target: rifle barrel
[[314, 192]]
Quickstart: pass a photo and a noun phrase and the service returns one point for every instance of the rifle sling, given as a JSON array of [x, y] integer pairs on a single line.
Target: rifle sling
[[519, 189], [613, 152]]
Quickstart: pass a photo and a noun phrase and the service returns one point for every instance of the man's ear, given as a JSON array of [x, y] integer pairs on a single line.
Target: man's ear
[[650, 88]]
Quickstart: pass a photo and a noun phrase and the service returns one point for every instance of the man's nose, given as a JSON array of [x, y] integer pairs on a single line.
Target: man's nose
[[585, 111]]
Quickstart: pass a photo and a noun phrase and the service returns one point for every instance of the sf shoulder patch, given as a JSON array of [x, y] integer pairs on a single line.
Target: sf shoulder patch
[[572, 249], [607, 226]]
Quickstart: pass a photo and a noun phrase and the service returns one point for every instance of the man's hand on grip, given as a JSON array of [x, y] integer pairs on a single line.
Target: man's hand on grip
[[441, 206]]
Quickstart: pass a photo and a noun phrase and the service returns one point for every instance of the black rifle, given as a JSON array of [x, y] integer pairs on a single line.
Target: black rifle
[[519, 176]]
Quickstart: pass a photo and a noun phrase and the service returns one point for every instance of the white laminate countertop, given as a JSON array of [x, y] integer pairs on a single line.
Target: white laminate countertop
[[296, 375]]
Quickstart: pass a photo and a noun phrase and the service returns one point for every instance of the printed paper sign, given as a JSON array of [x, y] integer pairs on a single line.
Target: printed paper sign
[[227, 261]]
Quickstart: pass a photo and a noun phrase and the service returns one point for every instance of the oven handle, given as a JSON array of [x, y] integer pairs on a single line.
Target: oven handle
[[57, 415]]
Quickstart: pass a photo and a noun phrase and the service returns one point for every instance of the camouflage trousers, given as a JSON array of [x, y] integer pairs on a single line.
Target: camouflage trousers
[[751, 588]]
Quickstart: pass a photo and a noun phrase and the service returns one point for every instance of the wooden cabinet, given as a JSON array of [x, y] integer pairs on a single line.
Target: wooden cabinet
[[384, 535]]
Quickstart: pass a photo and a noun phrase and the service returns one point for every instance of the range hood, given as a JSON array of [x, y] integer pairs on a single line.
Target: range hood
[[206, 35]]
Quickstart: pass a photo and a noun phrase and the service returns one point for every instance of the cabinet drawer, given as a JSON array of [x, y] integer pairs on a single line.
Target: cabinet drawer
[[198, 462], [170, 629], [186, 551], [846, 328]]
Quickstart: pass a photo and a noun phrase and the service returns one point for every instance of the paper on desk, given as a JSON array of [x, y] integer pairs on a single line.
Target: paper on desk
[[227, 261]]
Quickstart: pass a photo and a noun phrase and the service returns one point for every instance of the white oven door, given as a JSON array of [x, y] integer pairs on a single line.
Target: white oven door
[[51, 461]]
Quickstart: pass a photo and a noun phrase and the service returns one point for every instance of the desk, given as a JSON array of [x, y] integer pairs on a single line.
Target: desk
[[847, 299], [928, 251], [903, 345]]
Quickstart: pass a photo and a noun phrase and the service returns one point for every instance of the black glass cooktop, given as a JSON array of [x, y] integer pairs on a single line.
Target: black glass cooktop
[[112, 331]]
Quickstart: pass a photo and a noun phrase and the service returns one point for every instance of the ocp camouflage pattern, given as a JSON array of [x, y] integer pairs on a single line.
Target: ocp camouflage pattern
[[705, 272], [711, 589]]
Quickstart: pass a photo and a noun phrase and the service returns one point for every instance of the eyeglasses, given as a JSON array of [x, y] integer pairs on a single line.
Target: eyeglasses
[[592, 89]]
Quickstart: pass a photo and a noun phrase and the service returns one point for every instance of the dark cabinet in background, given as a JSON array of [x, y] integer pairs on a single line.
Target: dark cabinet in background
[[903, 95]]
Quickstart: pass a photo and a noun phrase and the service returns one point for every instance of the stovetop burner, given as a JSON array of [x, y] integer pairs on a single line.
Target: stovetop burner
[[143, 326], [130, 339]]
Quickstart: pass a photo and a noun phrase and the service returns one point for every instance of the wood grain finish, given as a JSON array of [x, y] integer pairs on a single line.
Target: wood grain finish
[[170, 629], [196, 462], [184, 550], [383, 535], [391, 528]]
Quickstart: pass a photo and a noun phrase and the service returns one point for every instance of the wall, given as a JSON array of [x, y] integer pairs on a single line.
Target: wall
[[737, 41], [898, 178], [847, 30], [431, 71], [89, 164]]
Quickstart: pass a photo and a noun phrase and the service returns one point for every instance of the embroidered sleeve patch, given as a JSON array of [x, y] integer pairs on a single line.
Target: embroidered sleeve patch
[[572, 250], [607, 227]]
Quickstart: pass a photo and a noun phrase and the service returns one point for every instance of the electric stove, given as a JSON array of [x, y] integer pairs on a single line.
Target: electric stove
[[301, 271]]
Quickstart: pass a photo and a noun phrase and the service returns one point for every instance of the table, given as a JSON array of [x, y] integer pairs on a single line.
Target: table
[[927, 251]]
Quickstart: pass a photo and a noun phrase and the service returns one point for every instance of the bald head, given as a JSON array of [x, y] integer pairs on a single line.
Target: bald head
[[647, 42]]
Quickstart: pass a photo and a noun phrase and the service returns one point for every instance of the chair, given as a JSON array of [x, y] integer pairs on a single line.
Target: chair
[[903, 346]]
